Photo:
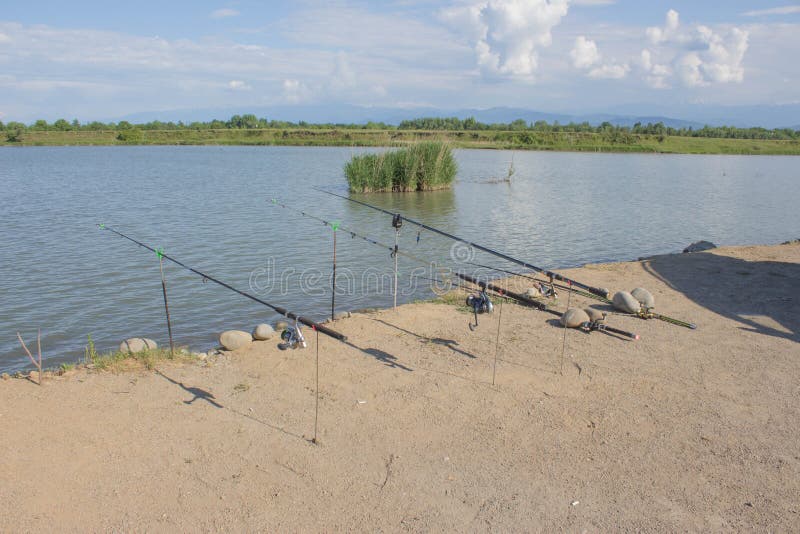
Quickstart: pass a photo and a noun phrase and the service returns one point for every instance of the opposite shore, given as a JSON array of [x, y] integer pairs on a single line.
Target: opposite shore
[[370, 137]]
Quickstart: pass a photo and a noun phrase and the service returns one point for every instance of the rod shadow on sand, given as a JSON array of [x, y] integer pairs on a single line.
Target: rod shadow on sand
[[449, 343], [737, 289], [202, 394], [199, 394], [389, 360]]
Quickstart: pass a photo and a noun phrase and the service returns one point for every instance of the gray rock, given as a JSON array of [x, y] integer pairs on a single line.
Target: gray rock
[[574, 317], [624, 301], [5, 376], [137, 344], [280, 326], [341, 315], [699, 246], [235, 339], [263, 332], [594, 314], [644, 297], [533, 293]]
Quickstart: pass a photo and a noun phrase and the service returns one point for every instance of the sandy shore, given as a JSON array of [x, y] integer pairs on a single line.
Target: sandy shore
[[682, 430]]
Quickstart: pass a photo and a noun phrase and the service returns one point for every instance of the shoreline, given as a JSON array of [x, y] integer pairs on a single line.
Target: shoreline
[[192, 351], [490, 139], [680, 430]]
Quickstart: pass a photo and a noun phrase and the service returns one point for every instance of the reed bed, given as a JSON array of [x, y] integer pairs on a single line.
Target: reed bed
[[424, 166]]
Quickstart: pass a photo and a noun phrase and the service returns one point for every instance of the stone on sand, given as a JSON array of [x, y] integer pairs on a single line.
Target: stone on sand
[[235, 339], [574, 317], [624, 301], [137, 344], [263, 332], [644, 297]]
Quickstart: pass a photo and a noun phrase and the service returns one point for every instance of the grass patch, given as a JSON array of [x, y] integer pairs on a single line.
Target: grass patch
[[423, 166], [147, 359], [117, 361]]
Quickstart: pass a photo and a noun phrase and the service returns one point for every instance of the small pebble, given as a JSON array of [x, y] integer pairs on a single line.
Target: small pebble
[[575, 503]]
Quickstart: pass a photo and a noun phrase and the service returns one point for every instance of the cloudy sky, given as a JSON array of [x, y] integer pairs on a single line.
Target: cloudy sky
[[102, 60]]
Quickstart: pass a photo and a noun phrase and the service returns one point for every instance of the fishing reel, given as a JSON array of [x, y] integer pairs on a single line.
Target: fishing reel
[[547, 291], [292, 337], [480, 303]]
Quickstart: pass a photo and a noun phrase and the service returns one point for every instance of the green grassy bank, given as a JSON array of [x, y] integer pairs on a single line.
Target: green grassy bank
[[492, 139]]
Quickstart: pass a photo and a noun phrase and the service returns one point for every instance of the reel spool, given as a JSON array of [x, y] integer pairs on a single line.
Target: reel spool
[[480, 303], [292, 337]]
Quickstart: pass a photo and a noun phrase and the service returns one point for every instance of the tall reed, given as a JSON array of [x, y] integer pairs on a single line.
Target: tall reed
[[423, 166]]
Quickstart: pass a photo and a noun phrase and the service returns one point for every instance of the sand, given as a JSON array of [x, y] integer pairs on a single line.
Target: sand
[[681, 430]]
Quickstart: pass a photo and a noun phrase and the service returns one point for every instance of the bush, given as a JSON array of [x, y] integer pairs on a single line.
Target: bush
[[133, 135], [420, 167]]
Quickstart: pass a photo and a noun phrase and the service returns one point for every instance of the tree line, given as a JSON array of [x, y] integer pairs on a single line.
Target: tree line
[[658, 128], [251, 122]]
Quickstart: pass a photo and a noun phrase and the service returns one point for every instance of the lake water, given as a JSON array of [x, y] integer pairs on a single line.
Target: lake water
[[208, 207]]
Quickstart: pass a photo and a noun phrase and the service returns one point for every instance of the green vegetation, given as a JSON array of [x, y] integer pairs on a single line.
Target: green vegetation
[[423, 166], [468, 133], [120, 361]]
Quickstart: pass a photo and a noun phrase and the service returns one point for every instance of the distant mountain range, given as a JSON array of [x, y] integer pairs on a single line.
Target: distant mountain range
[[695, 116]]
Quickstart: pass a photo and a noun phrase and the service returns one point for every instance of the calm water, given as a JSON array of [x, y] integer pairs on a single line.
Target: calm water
[[208, 206]]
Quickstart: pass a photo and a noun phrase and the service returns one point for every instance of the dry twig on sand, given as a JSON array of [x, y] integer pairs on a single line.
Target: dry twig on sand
[[39, 348]]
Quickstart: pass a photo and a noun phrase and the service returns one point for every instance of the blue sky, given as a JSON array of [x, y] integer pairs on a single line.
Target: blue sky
[[102, 60]]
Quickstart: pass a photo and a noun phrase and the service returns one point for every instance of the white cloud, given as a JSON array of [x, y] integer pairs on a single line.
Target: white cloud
[[594, 2], [610, 71], [586, 56], [507, 34], [660, 35], [239, 85], [224, 13], [295, 91], [656, 75], [342, 77], [785, 10], [584, 53], [699, 55], [4, 38]]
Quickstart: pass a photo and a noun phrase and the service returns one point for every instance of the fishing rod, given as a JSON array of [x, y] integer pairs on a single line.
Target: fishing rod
[[283, 311], [504, 292], [597, 291], [393, 250], [643, 313], [542, 282], [588, 325]]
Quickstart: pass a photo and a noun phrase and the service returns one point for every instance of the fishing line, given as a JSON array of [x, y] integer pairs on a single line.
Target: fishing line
[[316, 402], [564, 342], [353, 234], [597, 291], [497, 340], [283, 311]]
